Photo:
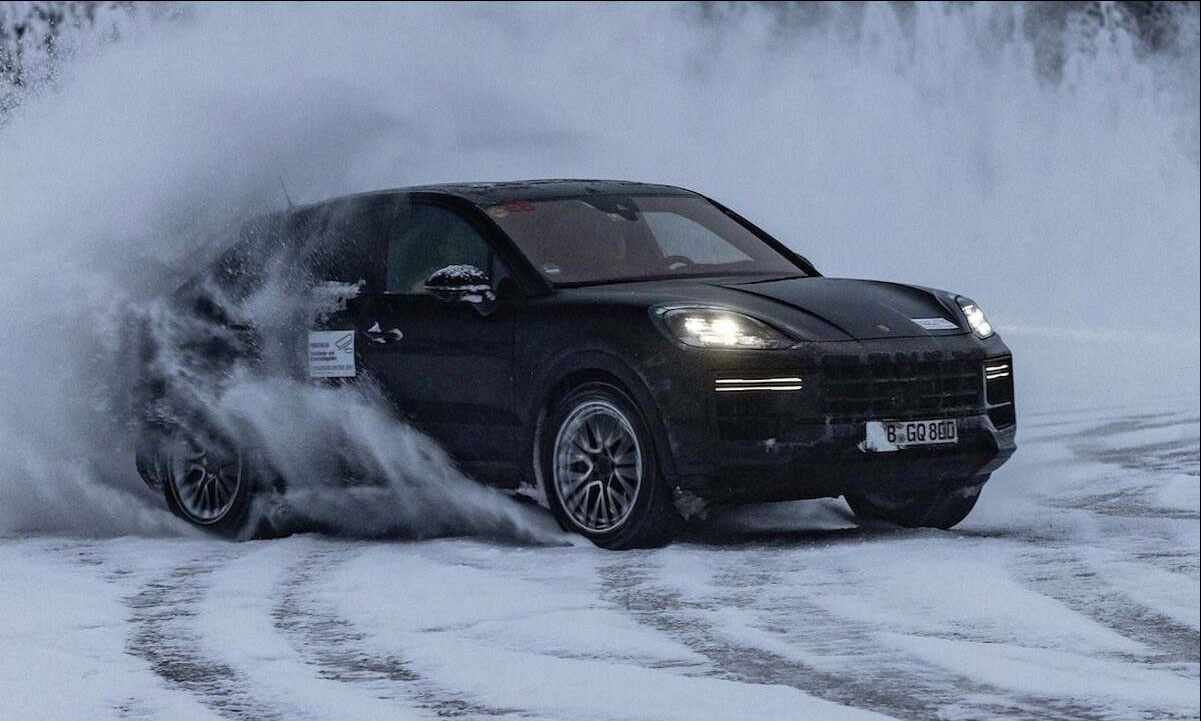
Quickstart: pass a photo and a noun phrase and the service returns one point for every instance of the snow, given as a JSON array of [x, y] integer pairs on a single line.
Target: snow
[[1070, 678], [64, 641], [1072, 590], [240, 605], [454, 624], [926, 587]]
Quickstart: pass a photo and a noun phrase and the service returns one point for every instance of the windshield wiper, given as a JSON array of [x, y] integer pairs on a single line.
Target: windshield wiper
[[784, 276], [673, 276]]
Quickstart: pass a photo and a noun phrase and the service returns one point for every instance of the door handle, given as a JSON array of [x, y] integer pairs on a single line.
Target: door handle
[[383, 337]]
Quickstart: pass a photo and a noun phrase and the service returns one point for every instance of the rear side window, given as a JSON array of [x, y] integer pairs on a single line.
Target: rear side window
[[242, 269], [344, 243], [426, 238]]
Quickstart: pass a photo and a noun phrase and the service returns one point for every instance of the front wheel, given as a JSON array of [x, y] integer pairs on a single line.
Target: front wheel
[[928, 509], [601, 475]]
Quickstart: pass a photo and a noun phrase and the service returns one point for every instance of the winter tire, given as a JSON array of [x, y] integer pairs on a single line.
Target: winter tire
[[602, 477], [209, 483], [931, 509]]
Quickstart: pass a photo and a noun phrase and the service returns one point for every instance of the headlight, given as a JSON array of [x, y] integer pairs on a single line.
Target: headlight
[[719, 328], [975, 317]]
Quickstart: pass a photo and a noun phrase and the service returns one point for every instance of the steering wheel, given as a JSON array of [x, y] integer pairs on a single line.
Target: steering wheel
[[675, 262]]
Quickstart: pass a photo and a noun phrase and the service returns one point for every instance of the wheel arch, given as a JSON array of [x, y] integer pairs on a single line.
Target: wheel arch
[[571, 372]]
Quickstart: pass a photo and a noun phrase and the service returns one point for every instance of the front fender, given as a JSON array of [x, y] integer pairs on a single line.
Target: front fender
[[577, 366]]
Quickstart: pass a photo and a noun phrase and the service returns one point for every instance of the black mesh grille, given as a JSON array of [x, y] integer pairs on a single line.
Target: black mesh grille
[[900, 386]]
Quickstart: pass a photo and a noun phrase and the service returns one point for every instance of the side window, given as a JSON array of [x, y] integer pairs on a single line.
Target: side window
[[427, 238], [242, 269], [343, 243], [677, 235]]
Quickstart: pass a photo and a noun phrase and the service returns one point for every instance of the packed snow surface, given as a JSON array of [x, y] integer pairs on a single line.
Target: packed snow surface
[[1071, 592]]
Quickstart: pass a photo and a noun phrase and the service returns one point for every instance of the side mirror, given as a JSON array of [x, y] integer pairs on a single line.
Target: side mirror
[[461, 284]]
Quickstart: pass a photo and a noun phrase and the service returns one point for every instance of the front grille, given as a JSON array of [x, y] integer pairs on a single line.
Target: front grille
[[900, 386]]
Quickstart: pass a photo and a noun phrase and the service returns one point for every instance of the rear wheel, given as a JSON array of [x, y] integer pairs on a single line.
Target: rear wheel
[[209, 483], [601, 475], [928, 509]]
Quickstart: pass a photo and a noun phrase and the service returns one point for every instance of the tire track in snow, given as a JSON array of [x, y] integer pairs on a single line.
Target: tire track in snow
[[85, 553], [1080, 586], [875, 678], [1171, 447], [1149, 532], [334, 646], [630, 585], [159, 634]]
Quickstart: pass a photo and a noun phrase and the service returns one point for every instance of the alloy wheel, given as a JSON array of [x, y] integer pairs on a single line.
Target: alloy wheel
[[205, 481], [597, 466]]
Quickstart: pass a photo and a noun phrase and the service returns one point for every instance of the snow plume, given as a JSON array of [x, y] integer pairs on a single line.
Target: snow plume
[[1043, 161], [69, 424], [115, 187], [346, 462], [414, 489]]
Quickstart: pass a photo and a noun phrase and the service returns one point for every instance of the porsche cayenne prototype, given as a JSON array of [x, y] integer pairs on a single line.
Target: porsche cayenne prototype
[[635, 353]]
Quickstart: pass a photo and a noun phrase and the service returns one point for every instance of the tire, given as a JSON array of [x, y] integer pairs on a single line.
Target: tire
[[209, 482], [931, 509], [600, 471]]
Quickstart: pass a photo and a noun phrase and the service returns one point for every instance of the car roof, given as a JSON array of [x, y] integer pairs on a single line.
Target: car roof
[[486, 194]]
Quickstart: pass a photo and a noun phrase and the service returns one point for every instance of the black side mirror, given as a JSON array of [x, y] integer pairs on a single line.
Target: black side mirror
[[461, 284]]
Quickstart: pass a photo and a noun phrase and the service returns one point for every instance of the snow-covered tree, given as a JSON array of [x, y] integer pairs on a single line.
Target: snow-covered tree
[[36, 36]]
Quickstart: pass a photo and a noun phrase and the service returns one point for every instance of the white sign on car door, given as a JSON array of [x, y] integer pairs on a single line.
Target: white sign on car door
[[331, 354]]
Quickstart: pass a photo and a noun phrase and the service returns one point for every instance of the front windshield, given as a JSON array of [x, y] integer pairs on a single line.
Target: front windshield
[[605, 238]]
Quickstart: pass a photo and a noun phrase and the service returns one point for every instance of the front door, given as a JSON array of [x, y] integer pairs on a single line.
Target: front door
[[445, 365]]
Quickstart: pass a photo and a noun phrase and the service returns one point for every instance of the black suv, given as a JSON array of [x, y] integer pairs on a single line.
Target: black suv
[[633, 352]]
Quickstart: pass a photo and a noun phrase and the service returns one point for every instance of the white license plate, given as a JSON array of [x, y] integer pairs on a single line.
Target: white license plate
[[895, 435]]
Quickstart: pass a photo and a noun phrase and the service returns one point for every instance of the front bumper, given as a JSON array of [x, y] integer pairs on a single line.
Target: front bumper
[[770, 445], [819, 460]]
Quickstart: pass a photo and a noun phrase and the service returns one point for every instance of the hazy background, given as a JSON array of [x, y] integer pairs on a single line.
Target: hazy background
[[1042, 159]]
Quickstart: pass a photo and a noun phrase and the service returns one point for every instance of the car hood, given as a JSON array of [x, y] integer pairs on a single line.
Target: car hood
[[842, 308]]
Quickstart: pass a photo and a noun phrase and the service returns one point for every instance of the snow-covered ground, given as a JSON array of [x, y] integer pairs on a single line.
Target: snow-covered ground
[[1071, 592]]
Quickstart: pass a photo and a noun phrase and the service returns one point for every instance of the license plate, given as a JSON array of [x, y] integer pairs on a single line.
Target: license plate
[[885, 436]]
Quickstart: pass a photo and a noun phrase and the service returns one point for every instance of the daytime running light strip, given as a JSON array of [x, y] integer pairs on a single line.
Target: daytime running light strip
[[758, 384], [997, 371]]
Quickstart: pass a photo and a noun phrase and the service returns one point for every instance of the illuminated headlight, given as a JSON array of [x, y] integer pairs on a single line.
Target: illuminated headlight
[[975, 318], [718, 328]]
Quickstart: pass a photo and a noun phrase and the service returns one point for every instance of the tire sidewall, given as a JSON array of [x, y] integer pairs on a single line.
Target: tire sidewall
[[650, 484]]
